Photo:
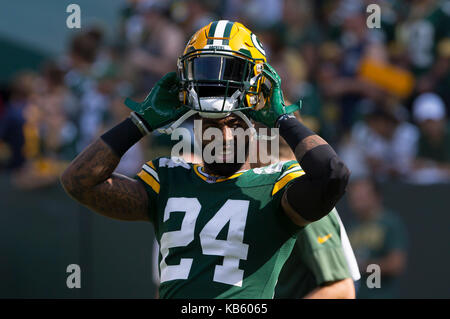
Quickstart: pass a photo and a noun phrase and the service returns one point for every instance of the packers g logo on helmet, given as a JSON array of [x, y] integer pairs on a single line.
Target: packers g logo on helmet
[[221, 70]]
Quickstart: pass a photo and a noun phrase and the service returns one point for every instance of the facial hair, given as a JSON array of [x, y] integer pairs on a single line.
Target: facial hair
[[227, 169]]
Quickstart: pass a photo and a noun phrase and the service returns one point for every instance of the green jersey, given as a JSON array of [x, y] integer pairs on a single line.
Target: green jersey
[[373, 240], [322, 253], [219, 237]]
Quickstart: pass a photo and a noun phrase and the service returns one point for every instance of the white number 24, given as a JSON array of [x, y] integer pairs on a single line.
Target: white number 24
[[233, 249]]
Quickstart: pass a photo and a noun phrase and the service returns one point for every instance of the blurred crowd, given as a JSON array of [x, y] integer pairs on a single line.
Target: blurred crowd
[[379, 96]]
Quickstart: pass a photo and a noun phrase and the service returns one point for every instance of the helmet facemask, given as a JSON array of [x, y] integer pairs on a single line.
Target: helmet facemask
[[216, 84]]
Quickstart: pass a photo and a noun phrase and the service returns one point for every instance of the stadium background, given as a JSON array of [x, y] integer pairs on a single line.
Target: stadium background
[[363, 90]]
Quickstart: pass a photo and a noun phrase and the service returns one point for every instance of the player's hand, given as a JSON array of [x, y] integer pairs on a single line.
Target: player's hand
[[276, 105], [162, 106]]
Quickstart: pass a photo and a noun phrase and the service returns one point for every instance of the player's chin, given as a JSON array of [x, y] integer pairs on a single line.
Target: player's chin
[[223, 169]]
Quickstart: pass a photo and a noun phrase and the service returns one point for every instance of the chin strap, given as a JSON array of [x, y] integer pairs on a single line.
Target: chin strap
[[252, 128], [177, 123], [247, 121]]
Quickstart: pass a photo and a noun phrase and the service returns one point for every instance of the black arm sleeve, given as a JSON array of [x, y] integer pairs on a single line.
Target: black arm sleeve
[[316, 193], [122, 137]]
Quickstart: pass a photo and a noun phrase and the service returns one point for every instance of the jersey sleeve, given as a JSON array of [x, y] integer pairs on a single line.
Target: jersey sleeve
[[286, 173], [290, 171], [322, 250], [150, 178]]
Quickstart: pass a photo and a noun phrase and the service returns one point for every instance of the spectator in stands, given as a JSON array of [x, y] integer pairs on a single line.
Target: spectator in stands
[[13, 121], [432, 162], [382, 146], [357, 42], [58, 132], [425, 25], [130, 26], [317, 47], [79, 79], [256, 13], [161, 43], [44, 132], [198, 13], [378, 236]]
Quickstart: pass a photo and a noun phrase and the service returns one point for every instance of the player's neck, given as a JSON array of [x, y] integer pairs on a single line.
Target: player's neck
[[246, 165]]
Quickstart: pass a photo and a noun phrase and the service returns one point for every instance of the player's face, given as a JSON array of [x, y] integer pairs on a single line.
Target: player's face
[[232, 141]]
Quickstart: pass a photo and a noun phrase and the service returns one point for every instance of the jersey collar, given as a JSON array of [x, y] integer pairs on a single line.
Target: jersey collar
[[199, 170]]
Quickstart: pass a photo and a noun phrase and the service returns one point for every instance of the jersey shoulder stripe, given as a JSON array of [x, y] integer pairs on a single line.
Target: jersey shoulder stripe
[[150, 181], [151, 171], [290, 171], [149, 176], [286, 179], [293, 165], [295, 168]]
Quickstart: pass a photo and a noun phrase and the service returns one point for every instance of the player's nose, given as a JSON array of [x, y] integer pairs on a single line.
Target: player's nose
[[227, 133]]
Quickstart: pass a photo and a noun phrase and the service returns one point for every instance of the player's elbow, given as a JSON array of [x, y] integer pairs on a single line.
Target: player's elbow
[[337, 180], [65, 180], [69, 182], [314, 198]]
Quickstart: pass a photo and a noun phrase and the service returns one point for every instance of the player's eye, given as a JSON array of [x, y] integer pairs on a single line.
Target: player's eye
[[234, 123]]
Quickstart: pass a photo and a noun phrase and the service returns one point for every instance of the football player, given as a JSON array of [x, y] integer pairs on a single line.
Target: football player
[[224, 230]]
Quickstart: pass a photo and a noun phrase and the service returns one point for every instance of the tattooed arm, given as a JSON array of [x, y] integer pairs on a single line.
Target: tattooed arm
[[312, 196], [90, 180]]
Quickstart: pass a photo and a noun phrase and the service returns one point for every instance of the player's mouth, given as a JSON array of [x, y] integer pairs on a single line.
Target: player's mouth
[[226, 155]]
